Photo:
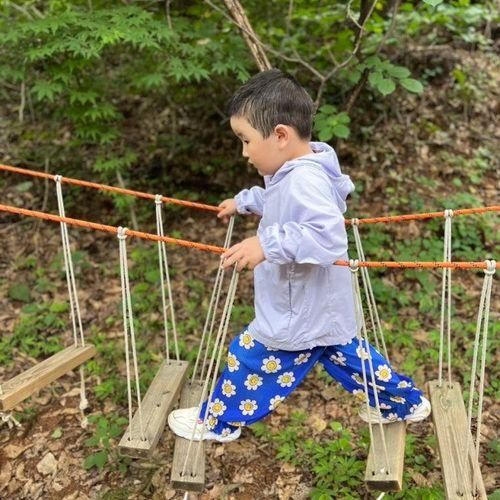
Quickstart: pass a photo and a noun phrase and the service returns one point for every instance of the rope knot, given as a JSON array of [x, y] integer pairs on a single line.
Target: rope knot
[[355, 221], [448, 212], [158, 199], [122, 233], [58, 179], [490, 267], [354, 265]]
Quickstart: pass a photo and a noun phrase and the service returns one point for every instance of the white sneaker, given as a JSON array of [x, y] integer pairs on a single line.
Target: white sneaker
[[183, 421], [418, 413]]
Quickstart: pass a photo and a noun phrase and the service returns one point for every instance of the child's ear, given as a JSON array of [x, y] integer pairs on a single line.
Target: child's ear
[[282, 133]]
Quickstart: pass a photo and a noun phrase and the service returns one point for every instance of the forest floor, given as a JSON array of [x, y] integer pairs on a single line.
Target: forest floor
[[44, 458]]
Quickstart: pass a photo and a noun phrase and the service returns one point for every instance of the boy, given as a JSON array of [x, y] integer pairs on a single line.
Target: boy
[[304, 305]]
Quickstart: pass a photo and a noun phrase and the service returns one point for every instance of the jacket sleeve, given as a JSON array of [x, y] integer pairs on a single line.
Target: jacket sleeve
[[315, 232], [250, 201]]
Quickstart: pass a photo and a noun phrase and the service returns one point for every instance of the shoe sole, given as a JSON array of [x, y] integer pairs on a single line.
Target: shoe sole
[[188, 434]]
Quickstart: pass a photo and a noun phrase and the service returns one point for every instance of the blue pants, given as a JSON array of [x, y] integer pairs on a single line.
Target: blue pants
[[256, 379]]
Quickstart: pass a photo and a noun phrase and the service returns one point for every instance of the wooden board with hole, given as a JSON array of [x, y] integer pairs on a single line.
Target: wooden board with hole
[[451, 428], [194, 478], [377, 475], [22, 386], [159, 399]]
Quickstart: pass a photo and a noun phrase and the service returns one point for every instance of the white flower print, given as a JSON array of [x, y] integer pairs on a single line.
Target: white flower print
[[383, 373], [357, 378], [302, 358], [360, 394], [228, 388], [248, 406], [392, 417], [253, 382], [403, 384], [232, 363], [226, 431], [246, 340], [361, 352], [271, 364], [385, 406], [217, 407], [237, 424], [286, 379], [211, 422], [379, 387], [272, 349], [398, 399], [413, 408], [338, 358], [274, 402]]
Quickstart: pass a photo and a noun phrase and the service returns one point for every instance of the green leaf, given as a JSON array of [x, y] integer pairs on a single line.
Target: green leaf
[[412, 85], [96, 460], [375, 78], [341, 131], [46, 91], [433, 3], [398, 71], [386, 86], [58, 307], [20, 291]]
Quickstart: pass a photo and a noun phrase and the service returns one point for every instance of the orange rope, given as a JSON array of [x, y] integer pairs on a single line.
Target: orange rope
[[201, 206], [220, 250], [104, 187]]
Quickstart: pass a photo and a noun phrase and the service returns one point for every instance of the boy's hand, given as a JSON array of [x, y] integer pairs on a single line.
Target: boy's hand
[[228, 208], [247, 254]]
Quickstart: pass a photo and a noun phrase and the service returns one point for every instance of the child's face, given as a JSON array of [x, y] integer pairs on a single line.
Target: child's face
[[266, 155]]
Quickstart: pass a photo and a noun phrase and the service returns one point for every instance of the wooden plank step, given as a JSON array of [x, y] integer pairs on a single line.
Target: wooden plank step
[[21, 386], [159, 399], [450, 425], [377, 477], [194, 479]]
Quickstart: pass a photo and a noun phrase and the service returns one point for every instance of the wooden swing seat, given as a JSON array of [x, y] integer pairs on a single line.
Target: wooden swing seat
[[42, 374], [377, 477], [161, 395], [194, 478], [451, 428]]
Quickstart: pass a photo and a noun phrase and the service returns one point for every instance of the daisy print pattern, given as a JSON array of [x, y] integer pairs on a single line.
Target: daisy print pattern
[[271, 365], [392, 417], [385, 406], [233, 364], [226, 431], [246, 340], [228, 388], [274, 402], [248, 406], [360, 394], [286, 379], [357, 378], [217, 407], [338, 358], [383, 373], [302, 358], [403, 384], [253, 382], [211, 422], [361, 352]]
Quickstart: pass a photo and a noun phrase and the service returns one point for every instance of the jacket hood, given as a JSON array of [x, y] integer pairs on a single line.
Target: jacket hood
[[325, 156]]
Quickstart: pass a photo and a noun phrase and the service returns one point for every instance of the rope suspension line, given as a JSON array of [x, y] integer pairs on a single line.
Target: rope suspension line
[[128, 325], [365, 355], [165, 277], [76, 317], [370, 297]]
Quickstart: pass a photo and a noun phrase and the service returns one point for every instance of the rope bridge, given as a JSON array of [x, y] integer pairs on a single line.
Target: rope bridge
[[459, 456]]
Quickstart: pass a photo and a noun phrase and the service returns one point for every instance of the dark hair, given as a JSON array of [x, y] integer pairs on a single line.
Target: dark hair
[[273, 97]]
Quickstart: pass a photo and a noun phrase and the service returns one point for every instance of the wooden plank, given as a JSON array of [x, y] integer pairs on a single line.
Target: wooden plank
[[159, 399], [194, 478], [450, 425], [377, 476], [21, 386]]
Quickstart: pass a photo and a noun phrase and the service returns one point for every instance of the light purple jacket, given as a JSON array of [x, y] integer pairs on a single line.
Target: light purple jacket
[[301, 299]]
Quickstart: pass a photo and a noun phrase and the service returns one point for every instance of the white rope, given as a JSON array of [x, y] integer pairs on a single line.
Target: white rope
[[208, 327], [76, 317], [482, 323], [128, 323], [354, 267], [213, 371], [446, 300], [9, 419], [370, 297], [165, 276]]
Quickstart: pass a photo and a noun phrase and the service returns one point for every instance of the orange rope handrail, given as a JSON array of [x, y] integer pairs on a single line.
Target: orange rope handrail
[[104, 187], [212, 208], [220, 250]]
